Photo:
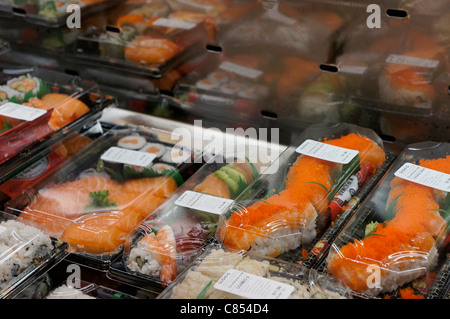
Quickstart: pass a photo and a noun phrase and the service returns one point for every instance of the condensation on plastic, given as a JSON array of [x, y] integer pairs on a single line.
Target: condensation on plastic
[[53, 15], [93, 203], [198, 281], [393, 247], [26, 252], [271, 221], [70, 103], [162, 247]]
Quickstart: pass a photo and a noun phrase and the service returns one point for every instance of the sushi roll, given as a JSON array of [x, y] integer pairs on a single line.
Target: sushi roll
[[176, 155], [218, 77], [231, 88], [24, 85], [288, 219], [161, 167], [155, 255], [206, 84], [21, 246], [154, 148], [132, 142], [404, 246], [228, 181]]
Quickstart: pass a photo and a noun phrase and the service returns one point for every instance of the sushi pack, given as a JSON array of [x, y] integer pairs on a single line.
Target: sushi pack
[[52, 13], [25, 252], [291, 208], [161, 247], [396, 243], [37, 104], [144, 41], [237, 274], [97, 197]]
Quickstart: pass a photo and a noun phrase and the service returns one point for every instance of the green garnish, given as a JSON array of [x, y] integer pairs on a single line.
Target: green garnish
[[202, 293], [99, 199]]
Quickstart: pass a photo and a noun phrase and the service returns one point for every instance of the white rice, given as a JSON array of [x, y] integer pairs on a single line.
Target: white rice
[[141, 141], [68, 292], [20, 245], [218, 262]]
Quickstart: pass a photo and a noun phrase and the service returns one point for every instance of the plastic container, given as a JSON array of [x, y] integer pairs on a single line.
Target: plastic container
[[401, 72], [53, 13], [395, 244], [232, 274], [44, 160], [295, 202], [162, 247], [39, 103], [142, 41], [26, 252], [100, 195]]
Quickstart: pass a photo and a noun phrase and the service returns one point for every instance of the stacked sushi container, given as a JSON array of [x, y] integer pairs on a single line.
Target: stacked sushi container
[[39, 107], [26, 251], [396, 244], [52, 13], [162, 246], [97, 197]]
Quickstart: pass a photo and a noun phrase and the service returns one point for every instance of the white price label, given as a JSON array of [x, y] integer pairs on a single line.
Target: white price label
[[130, 157], [353, 69], [203, 202], [252, 287], [413, 61], [327, 152], [240, 70], [424, 176], [174, 23], [21, 112]]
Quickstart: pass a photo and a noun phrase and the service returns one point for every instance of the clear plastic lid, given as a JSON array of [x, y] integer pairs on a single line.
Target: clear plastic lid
[[25, 252], [395, 243], [100, 195], [303, 192], [54, 13], [237, 274], [144, 40], [86, 291], [39, 162], [162, 247], [37, 103]]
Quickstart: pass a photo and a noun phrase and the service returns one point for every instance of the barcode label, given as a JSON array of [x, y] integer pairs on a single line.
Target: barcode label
[[424, 176], [204, 202], [327, 152]]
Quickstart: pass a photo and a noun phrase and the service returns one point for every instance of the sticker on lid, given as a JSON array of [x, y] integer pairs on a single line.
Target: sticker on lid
[[327, 152], [240, 70], [21, 112], [204, 202], [129, 157], [424, 176], [174, 23], [252, 287], [413, 61], [353, 69]]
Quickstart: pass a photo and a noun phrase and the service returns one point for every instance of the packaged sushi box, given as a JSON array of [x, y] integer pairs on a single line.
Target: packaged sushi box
[[54, 13], [40, 162], [395, 245], [143, 41], [36, 104], [26, 252], [95, 198], [303, 193], [162, 246], [220, 273]]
